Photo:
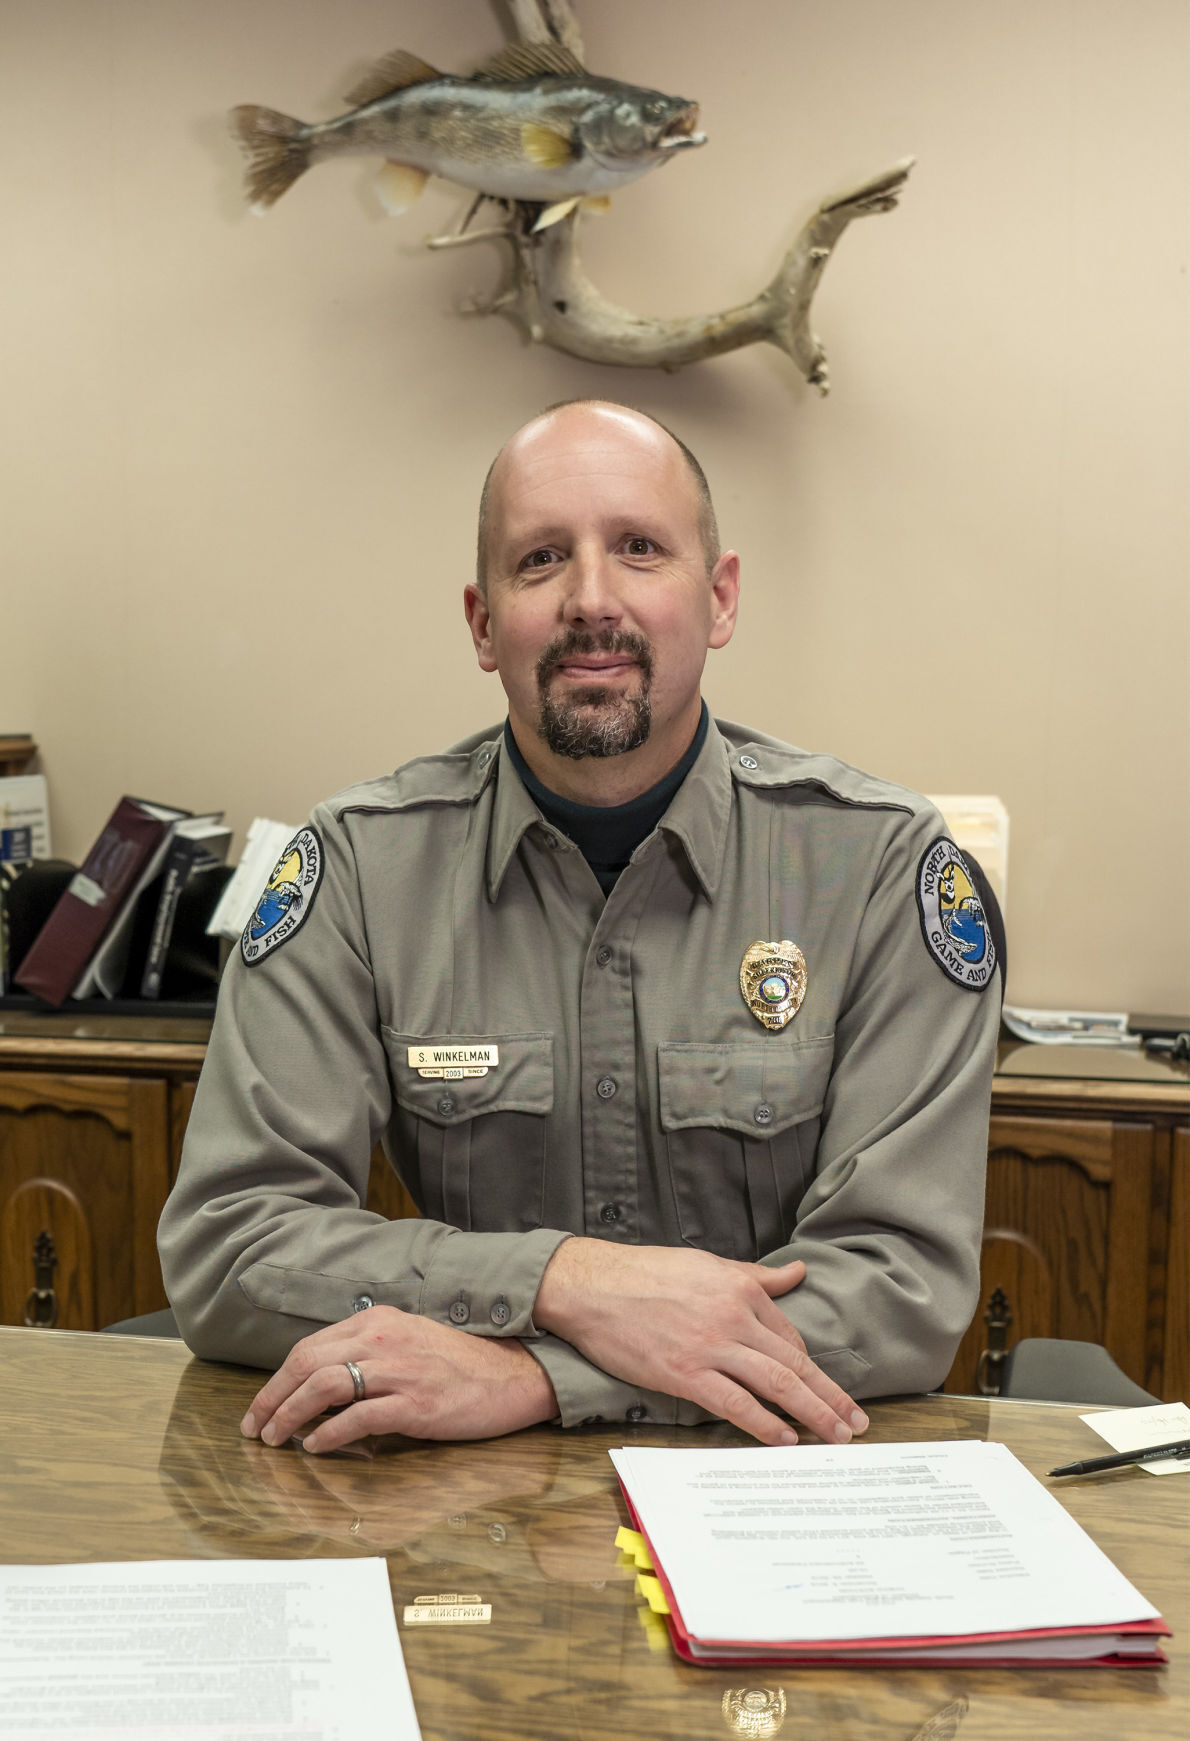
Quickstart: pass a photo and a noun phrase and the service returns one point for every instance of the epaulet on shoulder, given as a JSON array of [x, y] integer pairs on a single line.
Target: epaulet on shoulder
[[766, 764], [456, 776]]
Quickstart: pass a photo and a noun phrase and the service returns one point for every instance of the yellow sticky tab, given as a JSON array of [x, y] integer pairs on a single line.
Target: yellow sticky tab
[[654, 1595], [656, 1633], [632, 1543]]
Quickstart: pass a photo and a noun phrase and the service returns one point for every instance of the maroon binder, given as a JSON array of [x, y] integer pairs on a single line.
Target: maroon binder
[[59, 954]]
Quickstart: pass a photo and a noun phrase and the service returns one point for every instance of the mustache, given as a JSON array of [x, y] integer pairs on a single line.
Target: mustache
[[624, 642]]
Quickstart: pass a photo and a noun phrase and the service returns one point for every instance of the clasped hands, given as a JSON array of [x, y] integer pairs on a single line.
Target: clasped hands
[[683, 1322]]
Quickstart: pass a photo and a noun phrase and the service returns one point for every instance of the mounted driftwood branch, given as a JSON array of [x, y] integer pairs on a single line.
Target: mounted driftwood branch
[[547, 21], [550, 296]]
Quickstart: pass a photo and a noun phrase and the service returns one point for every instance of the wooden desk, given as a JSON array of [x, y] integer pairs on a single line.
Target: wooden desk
[[123, 1449]]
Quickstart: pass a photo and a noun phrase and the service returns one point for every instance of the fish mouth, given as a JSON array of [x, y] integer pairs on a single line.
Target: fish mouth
[[679, 133]]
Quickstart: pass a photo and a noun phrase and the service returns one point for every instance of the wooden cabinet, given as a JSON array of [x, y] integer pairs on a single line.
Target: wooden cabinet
[[1088, 1202], [93, 1110], [84, 1162], [91, 1120], [1086, 1228]]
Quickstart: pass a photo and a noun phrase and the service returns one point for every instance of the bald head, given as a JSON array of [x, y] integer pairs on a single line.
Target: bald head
[[623, 415]]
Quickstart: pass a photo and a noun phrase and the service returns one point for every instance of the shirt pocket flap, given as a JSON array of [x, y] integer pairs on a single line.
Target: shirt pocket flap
[[756, 1088], [520, 1080]]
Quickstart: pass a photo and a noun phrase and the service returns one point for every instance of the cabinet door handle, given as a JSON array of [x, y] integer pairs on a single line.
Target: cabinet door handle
[[998, 1318], [41, 1305]]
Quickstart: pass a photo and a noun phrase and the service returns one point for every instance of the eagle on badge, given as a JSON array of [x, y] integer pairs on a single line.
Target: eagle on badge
[[961, 912], [281, 892]]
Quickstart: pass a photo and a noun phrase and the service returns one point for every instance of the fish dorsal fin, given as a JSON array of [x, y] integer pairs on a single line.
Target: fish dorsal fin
[[394, 73], [525, 60], [545, 146]]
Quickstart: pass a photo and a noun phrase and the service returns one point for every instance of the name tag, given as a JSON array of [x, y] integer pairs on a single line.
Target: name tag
[[450, 1063], [448, 1610]]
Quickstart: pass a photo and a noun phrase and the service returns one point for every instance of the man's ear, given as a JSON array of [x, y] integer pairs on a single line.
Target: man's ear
[[725, 591], [479, 621]]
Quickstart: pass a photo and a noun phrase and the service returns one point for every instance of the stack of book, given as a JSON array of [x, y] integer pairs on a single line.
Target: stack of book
[[111, 928], [24, 838]]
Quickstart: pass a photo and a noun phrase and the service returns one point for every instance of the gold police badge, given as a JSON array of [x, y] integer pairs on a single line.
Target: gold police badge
[[773, 981]]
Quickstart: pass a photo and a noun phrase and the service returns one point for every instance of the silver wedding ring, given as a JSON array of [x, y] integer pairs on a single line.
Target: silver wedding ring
[[357, 1381]]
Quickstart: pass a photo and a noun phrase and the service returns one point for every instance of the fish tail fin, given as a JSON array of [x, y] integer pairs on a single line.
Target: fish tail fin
[[278, 151]]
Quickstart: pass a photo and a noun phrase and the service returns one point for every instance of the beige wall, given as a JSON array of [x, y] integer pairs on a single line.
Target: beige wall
[[240, 456]]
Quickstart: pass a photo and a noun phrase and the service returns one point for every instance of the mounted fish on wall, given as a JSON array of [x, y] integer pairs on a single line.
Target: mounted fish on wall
[[533, 131], [530, 124]]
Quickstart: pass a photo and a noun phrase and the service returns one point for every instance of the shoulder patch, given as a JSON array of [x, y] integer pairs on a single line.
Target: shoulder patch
[[953, 922], [287, 899]]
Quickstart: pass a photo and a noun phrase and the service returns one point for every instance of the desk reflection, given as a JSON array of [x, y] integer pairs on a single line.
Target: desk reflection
[[528, 1525], [118, 1448], [508, 1513]]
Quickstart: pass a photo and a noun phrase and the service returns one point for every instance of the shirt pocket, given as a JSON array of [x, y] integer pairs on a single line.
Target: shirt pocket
[[472, 1149], [741, 1125]]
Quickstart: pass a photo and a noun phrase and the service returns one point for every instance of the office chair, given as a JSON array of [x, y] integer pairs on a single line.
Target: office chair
[[1050, 1369], [148, 1324]]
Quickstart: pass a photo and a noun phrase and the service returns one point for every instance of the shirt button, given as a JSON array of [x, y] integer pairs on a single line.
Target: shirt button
[[483, 758], [637, 1412], [446, 1105], [763, 1113], [609, 1213], [460, 1311], [605, 1087], [501, 1312], [749, 762], [603, 955], [497, 1533], [362, 1303]]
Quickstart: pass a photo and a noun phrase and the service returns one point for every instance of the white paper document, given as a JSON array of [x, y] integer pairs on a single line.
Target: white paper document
[[265, 843], [193, 1649], [1164, 1423], [24, 817], [819, 1542]]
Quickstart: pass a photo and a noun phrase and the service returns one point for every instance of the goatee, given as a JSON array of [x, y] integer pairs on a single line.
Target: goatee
[[595, 721]]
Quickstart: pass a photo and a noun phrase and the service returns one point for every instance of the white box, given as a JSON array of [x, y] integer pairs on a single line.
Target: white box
[[979, 822]]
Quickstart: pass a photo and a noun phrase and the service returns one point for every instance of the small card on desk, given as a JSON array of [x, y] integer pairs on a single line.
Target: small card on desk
[[1133, 1429]]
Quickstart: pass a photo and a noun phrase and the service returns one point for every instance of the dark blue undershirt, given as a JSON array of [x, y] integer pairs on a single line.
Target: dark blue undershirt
[[607, 835]]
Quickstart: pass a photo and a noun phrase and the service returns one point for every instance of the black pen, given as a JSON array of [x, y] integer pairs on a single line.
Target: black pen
[[1179, 1448]]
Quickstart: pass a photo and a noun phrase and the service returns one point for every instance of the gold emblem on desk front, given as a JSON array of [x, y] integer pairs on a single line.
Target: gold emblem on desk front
[[773, 981], [754, 1711]]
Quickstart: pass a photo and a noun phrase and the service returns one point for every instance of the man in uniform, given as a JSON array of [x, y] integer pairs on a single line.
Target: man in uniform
[[669, 1029]]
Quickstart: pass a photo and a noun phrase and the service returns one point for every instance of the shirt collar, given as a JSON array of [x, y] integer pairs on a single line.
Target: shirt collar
[[697, 818], [701, 811]]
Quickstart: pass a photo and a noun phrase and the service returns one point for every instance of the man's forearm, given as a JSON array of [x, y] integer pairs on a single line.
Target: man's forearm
[[695, 1326]]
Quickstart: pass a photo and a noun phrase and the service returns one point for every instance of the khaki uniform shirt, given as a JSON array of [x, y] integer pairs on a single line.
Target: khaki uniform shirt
[[636, 1097]]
